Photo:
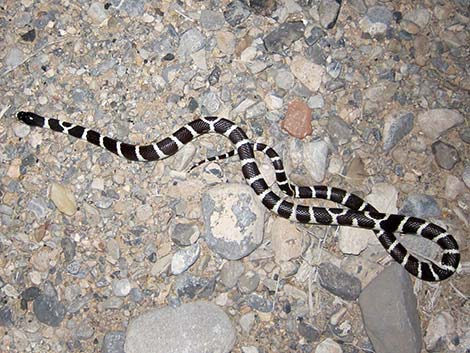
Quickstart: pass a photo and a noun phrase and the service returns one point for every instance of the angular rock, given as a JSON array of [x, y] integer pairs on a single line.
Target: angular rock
[[63, 199], [436, 122], [286, 240], [236, 13], [315, 156], [389, 312], [396, 127], [298, 119], [420, 205], [338, 282], [113, 342], [307, 72], [329, 11], [212, 20], [283, 36], [197, 327], [185, 258], [230, 273]]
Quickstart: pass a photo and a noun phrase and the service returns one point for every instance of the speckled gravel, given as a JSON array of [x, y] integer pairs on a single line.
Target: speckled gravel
[[367, 96]]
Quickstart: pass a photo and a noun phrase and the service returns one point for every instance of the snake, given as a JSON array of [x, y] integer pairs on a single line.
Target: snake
[[358, 213]]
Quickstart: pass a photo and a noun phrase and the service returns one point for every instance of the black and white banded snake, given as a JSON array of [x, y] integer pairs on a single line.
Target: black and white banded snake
[[360, 214]]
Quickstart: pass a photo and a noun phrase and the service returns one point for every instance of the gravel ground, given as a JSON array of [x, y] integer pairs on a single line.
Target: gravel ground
[[99, 254]]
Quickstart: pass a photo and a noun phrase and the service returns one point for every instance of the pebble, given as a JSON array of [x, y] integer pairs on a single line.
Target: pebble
[[230, 273], [441, 329], [286, 240], [297, 121], [97, 13], [247, 321], [191, 41], [188, 285], [316, 102], [397, 126], [211, 103], [283, 36], [21, 130], [49, 310], [446, 155], [329, 346], [236, 13], [454, 187], [308, 73], [465, 135], [466, 176], [248, 282], [113, 342], [121, 287], [184, 258], [196, 327], [308, 332], [14, 57], [6, 316], [377, 21], [285, 79], [338, 282], [339, 131], [328, 11], [226, 42], [63, 199], [315, 159], [273, 102], [249, 349], [386, 301], [421, 206], [436, 122], [38, 206], [184, 234], [212, 20], [233, 220]]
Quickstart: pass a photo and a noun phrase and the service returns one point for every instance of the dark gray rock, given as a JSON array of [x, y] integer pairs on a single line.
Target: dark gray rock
[[420, 205], [31, 293], [49, 310], [282, 37], [338, 282], [198, 327], [446, 155], [230, 273], [257, 302], [307, 331], [236, 13], [6, 316], [316, 34], [29, 36], [339, 130], [396, 127], [184, 234], [191, 286], [113, 342], [465, 135], [388, 307]]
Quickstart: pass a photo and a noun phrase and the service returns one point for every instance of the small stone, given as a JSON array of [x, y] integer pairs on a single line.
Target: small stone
[[121, 287], [283, 36], [236, 13], [334, 69], [308, 73], [420, 205], [466, 176], [14, 57], [144, 212], [315, 156], [465, 135], [63, 199], [328, 11], [248, 282], [307, 331], [446, 155], [316, 102], [29, 36], [49, 310], [191, 41], [377, 21], [211, 103], [436, 122], [454, 187], [440, 330], [226, 42], [184, 234], [6, 316], [339, 130], [230, 273], [212, 20], [247, 321], [273, 102], [298, 119], [185, 258], [256, 110], [193, 327], [329, 346], [396, 127], [97, 13], [419, 16], [285, 79], [338, 282], [113, 342], [286, 240]]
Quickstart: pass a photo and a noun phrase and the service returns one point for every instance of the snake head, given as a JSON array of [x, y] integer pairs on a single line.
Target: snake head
[[30, 118]]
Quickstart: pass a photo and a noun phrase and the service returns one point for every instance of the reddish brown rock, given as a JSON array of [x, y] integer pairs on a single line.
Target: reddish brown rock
[[297, 122]]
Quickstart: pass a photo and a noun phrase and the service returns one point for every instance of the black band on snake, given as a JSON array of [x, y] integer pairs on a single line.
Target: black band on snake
[[360, 214]]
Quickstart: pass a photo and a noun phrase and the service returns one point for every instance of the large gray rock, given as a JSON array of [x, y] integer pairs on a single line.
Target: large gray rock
[[199, 327], [388, 307]]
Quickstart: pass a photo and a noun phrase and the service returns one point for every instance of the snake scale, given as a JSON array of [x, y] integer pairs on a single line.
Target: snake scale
[[359, 213]]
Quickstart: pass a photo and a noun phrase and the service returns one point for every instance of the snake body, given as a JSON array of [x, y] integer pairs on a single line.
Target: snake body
[[360, 214]]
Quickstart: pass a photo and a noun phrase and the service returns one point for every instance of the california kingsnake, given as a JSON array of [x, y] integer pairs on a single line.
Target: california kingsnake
[[360, 214]]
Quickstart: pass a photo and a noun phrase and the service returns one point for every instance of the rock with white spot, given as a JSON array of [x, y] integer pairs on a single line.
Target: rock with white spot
[[121, 287], [184, 258], [233, 220], [63, 199]]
